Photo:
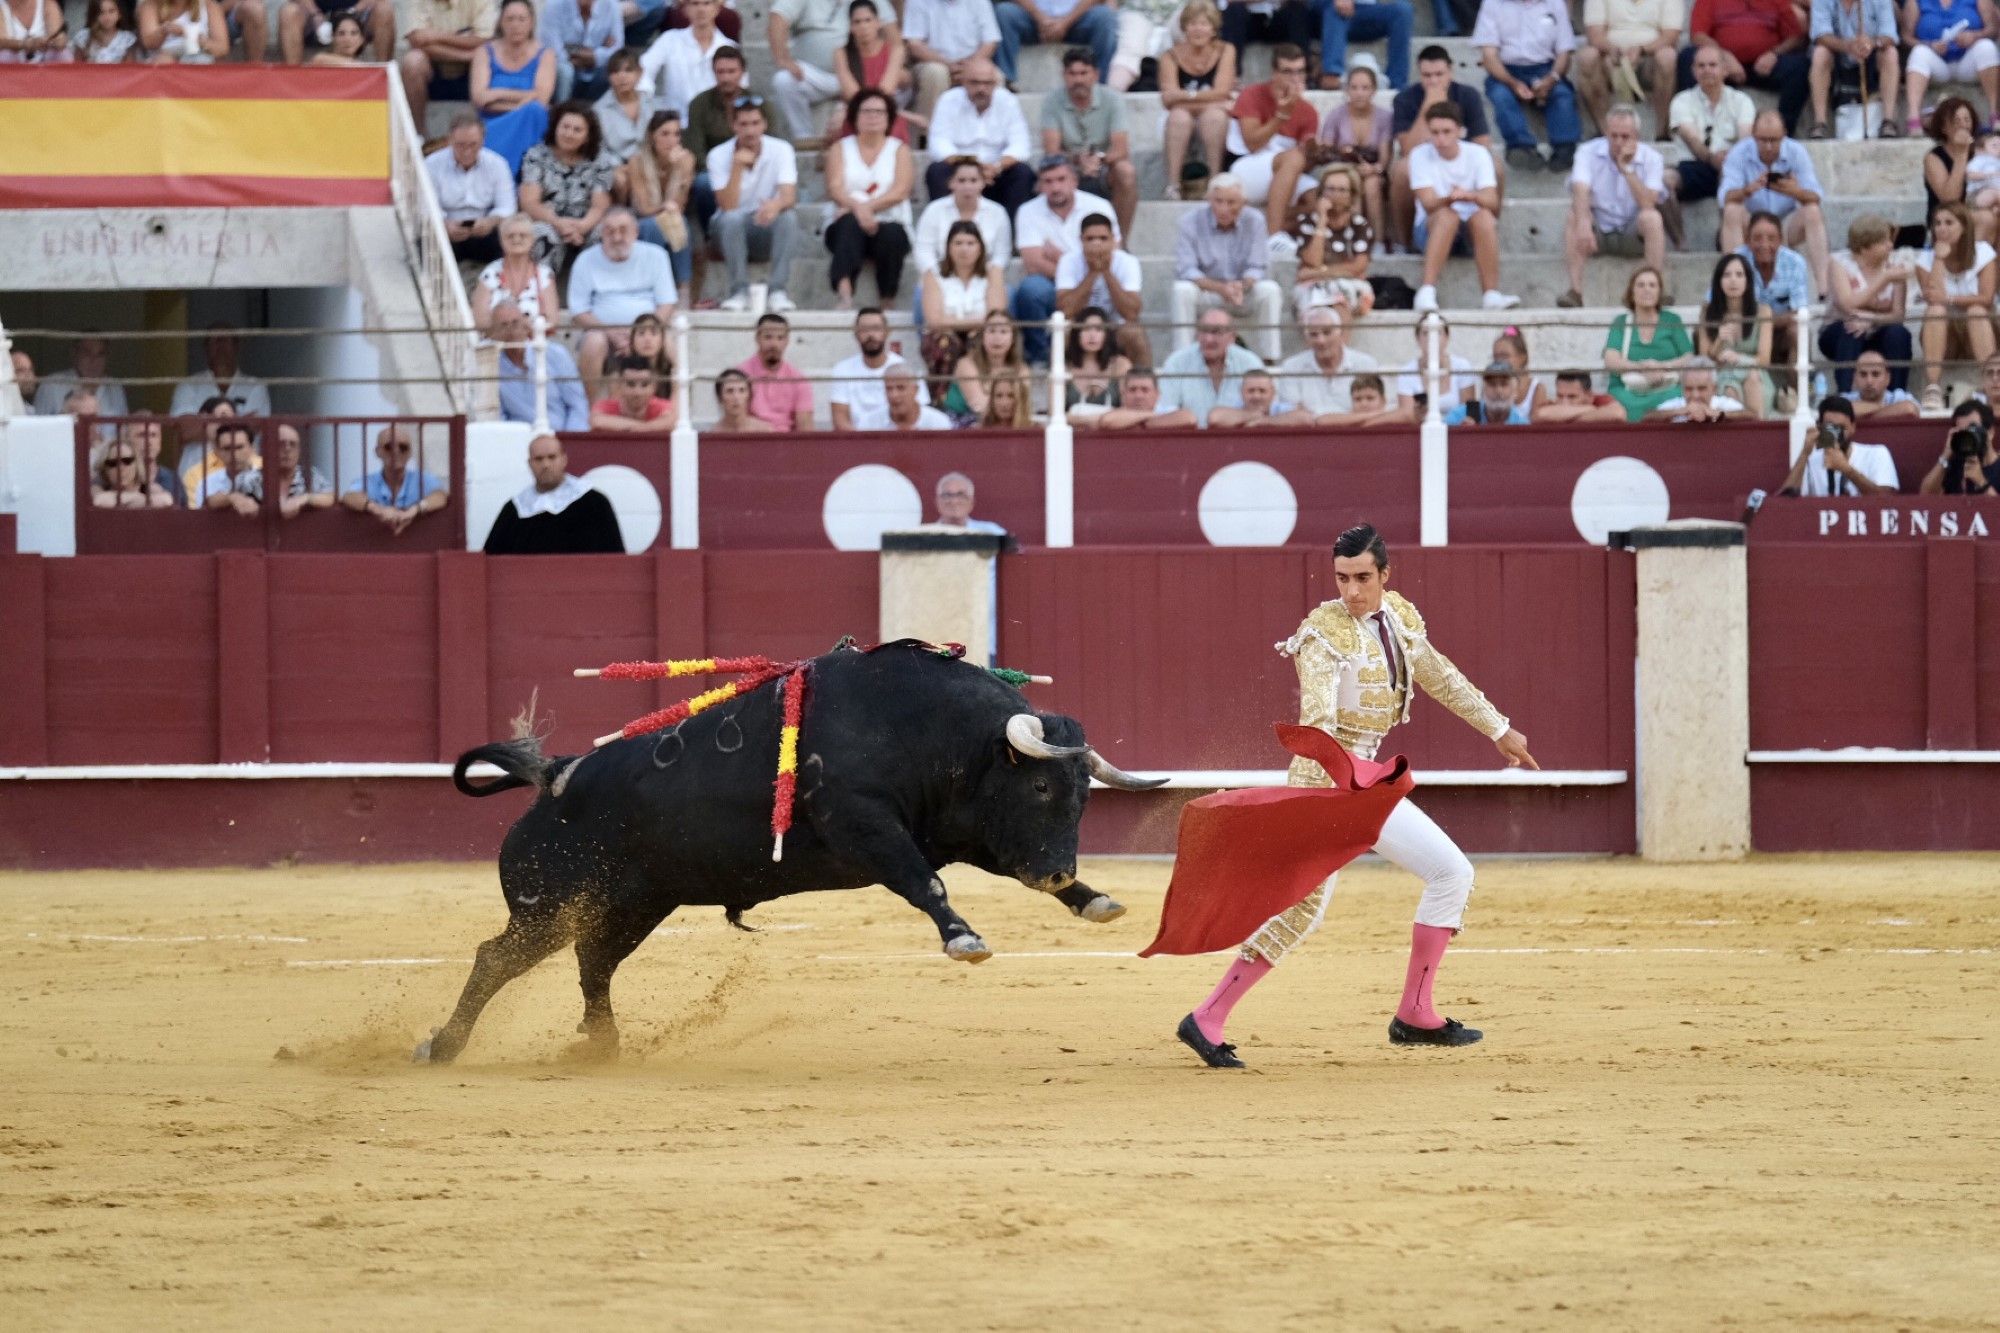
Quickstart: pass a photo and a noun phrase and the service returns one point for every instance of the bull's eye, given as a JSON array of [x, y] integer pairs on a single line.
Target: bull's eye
[[1042, 786]]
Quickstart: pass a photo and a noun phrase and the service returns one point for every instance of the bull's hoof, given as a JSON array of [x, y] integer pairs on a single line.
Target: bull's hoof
[[422, 1055], [1101, 909], [968, 949]]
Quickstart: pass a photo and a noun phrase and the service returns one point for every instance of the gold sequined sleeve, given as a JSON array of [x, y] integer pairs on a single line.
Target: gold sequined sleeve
[[1444, 682], [1319, 679]]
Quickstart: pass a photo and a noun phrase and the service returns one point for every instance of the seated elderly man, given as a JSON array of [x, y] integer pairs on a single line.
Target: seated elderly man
[[906, 411], [475, 190], [1320, 379], [1209, 373], [1630, 44], [1220, 259], [395, 494], [1495, 405], [1617, 191], [568, 405], [300, 485], [1698, 401], [1261, 406], [555, 514], [1139, 407], [613, 283], [1772, 173]]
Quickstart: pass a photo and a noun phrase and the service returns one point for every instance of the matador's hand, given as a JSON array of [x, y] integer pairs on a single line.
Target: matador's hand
[[1514, 747]]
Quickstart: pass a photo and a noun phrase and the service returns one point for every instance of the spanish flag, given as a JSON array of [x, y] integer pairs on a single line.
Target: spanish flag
[[187, 136]]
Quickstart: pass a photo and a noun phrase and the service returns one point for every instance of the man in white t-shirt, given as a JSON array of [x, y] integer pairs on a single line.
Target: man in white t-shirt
[[902, 408], [1099, 275], [1617, 188], [756, 180], [1046, 228], [1321, 378], [1458, 196], [1699, 402], [1837, 466], [1410, 392], [680, 64], [856, 400]]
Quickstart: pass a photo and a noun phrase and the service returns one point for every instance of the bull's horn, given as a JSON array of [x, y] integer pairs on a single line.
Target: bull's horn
[[1024, 733], [1111, 775]]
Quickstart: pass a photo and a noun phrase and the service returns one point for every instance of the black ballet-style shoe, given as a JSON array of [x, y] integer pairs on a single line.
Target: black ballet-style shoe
[[1453, 1033], [1214, 1054]]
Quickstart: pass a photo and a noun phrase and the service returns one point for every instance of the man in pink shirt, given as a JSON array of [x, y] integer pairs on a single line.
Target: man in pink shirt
[[778, 393]]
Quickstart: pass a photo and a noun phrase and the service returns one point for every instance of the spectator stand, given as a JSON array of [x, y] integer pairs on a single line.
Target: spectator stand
[[346, 443]]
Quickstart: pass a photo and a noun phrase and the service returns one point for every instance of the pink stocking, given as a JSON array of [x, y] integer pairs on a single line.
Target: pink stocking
[[1427, 945], [1235, 983]]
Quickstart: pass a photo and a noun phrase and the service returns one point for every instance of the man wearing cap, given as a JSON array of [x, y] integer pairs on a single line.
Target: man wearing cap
[[1495, 405]]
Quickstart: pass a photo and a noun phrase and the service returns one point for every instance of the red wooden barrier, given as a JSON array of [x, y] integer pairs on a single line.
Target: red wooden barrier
[[766, 492], [1153, 487]]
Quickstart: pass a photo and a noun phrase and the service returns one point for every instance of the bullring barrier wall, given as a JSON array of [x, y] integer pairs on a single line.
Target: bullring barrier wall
[[135, 686]]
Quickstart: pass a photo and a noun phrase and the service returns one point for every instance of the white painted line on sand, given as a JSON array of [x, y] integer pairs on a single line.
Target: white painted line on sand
[[373, 962], [173, 939]]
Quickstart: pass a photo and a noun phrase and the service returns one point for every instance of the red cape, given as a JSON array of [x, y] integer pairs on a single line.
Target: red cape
[[1246, 856]]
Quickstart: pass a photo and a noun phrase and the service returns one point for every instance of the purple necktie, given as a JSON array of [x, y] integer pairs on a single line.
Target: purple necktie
[[1388, 646]]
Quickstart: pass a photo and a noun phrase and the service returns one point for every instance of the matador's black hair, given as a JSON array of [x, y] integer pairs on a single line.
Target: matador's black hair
[[1362, 539]]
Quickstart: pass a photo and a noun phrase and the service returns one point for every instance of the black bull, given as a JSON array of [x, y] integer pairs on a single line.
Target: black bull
[[908, 761]]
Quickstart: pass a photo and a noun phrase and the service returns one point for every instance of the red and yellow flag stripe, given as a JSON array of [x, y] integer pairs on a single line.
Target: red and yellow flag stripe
[[139, 136]]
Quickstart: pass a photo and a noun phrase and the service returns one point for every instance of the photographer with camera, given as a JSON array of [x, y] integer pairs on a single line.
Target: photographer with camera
[[1835, 465], [1970, 463]]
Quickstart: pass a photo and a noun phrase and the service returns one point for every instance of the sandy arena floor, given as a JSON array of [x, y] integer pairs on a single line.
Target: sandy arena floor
[[1757, 1097]]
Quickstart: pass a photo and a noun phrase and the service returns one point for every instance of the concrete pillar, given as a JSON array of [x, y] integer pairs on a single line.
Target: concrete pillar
[[939, 586], [1694, 690]]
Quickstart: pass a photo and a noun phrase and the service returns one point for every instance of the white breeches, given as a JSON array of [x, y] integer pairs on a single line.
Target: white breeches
[[1411, 839], [1983, 55]]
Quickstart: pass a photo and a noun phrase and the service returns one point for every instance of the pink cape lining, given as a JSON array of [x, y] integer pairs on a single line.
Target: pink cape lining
[[1246, 856]]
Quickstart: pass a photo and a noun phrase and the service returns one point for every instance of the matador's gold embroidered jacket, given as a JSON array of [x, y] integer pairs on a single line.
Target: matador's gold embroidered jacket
[[1344, 687]]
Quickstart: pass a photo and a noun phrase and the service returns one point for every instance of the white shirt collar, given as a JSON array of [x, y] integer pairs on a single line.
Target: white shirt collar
[[532, 501]]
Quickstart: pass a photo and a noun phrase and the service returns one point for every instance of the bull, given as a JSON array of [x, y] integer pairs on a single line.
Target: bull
[[909, 761]]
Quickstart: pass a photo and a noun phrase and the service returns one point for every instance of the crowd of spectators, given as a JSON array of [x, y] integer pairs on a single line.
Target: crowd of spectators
[[613, 152]]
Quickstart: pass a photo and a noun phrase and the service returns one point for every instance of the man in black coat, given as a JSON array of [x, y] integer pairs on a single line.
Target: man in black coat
[[558, 515]]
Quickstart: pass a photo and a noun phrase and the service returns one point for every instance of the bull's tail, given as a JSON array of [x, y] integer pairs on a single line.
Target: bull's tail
[[521, 762]]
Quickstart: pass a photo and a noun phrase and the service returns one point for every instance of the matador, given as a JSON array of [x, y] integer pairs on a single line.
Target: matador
[[1360, 660]]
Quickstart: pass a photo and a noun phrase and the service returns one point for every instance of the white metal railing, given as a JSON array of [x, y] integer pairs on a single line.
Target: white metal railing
[[421, 221]]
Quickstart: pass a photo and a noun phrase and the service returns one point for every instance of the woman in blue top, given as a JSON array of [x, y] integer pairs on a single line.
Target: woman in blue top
[[1954, 41], [513, 78]]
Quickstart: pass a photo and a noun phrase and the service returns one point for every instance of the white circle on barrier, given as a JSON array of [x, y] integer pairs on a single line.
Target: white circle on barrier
[[1247, 504], [633, 499], [866, 501], [1616, 494]]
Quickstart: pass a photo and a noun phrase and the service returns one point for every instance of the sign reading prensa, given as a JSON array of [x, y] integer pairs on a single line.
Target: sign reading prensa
[[1882, 517]]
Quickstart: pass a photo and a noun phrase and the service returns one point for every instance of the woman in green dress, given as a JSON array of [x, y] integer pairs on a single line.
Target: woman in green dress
[[1646, 346]]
